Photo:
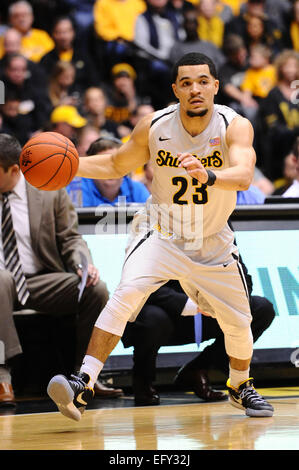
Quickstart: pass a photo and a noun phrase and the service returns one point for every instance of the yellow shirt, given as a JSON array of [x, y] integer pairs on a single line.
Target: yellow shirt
[[66, 56], [116, 19], [211, 30], [294, 31], [235, 5], [34, 45], [259, 82]]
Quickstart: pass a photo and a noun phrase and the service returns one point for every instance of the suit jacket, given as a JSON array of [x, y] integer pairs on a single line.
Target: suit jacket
[[54, 230]]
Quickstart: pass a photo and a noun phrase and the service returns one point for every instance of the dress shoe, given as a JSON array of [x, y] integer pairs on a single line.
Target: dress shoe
[[103, 390], [197, 381], [7, 397], [145, 394]]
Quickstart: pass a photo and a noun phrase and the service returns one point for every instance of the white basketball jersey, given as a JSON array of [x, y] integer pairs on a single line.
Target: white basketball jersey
[[184, 207]]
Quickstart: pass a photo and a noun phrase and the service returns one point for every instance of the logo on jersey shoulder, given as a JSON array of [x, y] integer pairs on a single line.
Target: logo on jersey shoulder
[[165, 158], [215, 141]]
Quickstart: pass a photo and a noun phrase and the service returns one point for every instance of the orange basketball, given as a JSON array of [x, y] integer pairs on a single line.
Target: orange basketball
[[49, 161]]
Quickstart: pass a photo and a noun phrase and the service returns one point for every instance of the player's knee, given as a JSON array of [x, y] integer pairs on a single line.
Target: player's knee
[[118, 310]]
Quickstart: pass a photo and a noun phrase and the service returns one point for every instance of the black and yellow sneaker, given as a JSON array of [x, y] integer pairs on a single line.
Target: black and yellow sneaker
[[71, 395], [247, 398]]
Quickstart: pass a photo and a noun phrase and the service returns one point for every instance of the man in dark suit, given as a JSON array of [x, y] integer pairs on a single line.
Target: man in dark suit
[[41, 256], [168, 319]]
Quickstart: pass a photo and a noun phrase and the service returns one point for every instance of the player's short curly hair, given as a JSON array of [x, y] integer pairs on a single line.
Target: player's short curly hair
[[194, 58]]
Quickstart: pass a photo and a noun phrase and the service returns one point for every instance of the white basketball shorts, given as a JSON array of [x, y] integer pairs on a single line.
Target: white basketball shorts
[[211, 276]]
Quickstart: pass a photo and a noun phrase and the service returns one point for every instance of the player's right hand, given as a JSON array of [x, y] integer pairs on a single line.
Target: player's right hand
[[193, 166]]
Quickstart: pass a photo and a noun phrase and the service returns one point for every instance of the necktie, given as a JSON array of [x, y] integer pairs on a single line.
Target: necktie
[[10, 251], [198, 328]]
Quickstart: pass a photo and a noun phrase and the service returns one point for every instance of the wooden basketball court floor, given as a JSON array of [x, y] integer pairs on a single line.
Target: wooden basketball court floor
[[181, 422]]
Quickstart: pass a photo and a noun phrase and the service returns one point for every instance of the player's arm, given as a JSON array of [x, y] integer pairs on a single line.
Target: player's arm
[[238, 176], [120, 162]]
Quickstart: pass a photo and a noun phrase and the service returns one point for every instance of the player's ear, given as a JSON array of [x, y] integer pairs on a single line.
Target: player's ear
[[216, 86], [174, 89]]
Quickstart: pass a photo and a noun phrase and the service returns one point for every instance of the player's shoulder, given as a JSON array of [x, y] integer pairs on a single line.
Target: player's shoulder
[[240, 129], [227, 113], [163, 115]]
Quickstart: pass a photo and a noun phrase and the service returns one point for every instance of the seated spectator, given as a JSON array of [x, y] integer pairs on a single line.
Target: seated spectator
[[279, 116], [179, 8], [48, 250], [67, 121], [94, 107], [289, 175], [122, 96], [109, 191], [263, 29], [114, 25], [67, 49], [81, 12], [12, 44], [34, 102], [231, 76], [85, 137], [115, 19], [275, 10], [192, 42], [291, 39], [169, 318], [210, 23], [62, 89], [258, 32], [156, 32], [35, 42], [13, 122], [260, 77], [253, 195], [293, 190]]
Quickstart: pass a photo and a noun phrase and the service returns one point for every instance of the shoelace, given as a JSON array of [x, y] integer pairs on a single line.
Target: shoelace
[[251, 394]]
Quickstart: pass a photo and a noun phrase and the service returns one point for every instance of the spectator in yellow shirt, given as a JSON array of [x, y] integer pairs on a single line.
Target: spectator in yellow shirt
[[260, 78], [210, 24], [35, 42], [115, 19]]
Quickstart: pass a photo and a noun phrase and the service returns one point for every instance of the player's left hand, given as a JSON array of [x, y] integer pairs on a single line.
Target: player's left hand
[[93, 275], [193, 167]]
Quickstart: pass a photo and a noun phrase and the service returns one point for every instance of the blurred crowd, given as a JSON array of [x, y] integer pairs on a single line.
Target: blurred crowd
[[91, 69]]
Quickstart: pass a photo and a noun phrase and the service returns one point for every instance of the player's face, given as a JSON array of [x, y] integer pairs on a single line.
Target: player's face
[[195, 88]]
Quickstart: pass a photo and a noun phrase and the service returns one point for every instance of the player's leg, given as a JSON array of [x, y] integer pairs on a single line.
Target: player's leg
[[147, 267], [223, 288], [234, 318]]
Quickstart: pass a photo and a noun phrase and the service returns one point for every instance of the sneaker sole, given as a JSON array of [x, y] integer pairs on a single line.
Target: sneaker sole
[[60, 391], [259, 413], [250, 411]]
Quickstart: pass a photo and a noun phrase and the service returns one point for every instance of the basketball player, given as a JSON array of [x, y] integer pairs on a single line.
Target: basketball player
[[201, 154]]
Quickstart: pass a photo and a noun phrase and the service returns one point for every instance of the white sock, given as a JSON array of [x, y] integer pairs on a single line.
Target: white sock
[[91, 366], [237, 376]]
